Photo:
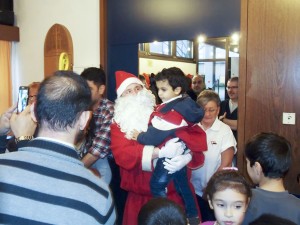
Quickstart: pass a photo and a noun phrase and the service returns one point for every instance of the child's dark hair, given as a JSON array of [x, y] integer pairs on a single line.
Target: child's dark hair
[[272, 152], [161, 211], [175, 77], [227, 179]]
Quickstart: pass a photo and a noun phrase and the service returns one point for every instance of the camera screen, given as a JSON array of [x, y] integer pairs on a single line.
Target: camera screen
[[23, 99]]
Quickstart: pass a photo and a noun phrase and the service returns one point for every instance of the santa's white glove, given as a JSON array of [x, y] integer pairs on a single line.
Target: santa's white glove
[[177, 163], [171, 149]]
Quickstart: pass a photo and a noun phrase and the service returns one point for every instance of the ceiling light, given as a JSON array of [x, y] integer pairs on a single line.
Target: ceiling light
[[235, 38], [201, 39]]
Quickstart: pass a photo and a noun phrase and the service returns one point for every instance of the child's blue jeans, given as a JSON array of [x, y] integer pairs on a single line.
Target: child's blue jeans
[[160, 180]]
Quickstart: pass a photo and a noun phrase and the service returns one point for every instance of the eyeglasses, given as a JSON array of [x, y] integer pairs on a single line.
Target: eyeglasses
[[32, 96], [232, 87], [210, 110]]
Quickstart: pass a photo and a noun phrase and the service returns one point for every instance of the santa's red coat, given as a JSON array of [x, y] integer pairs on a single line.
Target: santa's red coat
[[133, 159]]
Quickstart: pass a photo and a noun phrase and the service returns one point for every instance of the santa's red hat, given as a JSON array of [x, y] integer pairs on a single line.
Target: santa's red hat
[[123, 79]]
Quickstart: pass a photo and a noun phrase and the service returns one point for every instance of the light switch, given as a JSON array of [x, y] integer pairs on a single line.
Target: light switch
[[289, 118]]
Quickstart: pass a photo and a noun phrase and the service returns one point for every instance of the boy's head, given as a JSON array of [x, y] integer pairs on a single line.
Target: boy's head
[[269, 153], [170, 83], [161, 211]]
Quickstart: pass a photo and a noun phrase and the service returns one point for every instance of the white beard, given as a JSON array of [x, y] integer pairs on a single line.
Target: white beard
[[133, 112]]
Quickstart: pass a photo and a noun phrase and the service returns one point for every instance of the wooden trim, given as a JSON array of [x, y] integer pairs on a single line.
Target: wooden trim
[[9, 33], [103, 37], [5, 71], [103, 34], [242, 86]]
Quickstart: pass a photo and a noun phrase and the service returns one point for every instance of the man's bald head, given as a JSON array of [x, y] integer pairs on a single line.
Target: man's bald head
[[61, 99]]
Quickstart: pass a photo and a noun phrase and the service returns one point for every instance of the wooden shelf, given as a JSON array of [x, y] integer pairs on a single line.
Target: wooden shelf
[[9, 33]]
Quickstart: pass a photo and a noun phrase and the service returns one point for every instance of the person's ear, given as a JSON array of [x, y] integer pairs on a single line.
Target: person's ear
[[84, 119], [101, 89], [210, 203], [32, 112], [258, 169], [177, 90]]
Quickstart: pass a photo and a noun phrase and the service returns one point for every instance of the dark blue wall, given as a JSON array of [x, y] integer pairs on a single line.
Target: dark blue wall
[[136, 21]]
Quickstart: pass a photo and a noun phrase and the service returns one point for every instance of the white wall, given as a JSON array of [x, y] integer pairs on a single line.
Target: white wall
[[35, 18], [149, 66]]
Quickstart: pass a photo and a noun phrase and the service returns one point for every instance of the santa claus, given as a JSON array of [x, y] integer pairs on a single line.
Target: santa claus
[[133, 108]]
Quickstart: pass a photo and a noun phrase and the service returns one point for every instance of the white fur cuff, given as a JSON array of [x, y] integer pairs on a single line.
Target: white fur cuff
[[147, 158]]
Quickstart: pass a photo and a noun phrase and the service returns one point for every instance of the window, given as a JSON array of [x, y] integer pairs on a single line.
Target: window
[[218, 58], [142, 47], [234, 53], [220, 53], [212, 64], [184, 49], [205, 51], [163, 48]]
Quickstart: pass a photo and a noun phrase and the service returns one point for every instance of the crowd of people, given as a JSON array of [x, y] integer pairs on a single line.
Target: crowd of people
[[82, 159]]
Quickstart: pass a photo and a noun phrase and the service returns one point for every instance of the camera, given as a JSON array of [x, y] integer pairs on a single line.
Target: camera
[[23, 98]]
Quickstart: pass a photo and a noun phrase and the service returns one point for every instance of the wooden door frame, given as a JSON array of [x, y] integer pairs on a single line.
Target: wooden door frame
[[242, 87], [103, 33]]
